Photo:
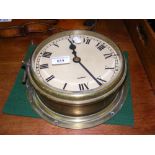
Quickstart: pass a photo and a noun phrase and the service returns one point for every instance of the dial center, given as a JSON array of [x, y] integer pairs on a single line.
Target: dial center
[[76, 59]]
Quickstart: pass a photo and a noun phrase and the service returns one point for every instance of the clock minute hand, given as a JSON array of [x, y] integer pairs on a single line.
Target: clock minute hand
[[89, 73]]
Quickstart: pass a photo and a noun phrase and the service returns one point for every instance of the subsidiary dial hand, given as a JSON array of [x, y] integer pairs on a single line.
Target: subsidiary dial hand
[[77, 59]]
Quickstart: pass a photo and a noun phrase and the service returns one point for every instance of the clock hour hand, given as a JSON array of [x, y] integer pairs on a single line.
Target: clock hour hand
[[72, 47]]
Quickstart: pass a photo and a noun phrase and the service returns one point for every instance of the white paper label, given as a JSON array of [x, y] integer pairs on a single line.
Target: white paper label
[[60, 60]]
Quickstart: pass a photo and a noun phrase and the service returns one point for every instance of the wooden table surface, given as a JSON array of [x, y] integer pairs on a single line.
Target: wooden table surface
[[12, 51]]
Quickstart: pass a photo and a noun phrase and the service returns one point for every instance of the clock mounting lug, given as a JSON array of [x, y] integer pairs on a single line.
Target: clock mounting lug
[[25, 65]]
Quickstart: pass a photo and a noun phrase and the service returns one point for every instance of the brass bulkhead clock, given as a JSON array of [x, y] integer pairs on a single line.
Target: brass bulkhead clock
[[77, 79]]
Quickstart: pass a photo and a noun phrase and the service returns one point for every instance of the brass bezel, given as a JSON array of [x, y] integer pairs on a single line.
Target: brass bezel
[[85, 97]]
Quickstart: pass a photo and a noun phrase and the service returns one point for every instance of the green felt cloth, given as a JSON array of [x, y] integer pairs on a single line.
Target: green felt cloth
[[18, 104]]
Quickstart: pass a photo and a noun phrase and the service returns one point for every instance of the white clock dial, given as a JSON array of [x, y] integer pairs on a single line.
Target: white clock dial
[[77, 63]]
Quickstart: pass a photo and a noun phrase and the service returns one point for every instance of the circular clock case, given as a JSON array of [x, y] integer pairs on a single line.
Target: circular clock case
[[77, 79]]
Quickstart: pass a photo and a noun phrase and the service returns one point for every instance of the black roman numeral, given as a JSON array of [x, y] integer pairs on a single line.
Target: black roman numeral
[[64, 86], [100, 47], [108, 55], [98, 44], [47, 54], [50, 78], [86, 41], [43, 66], [109, 67], [83, 86]]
